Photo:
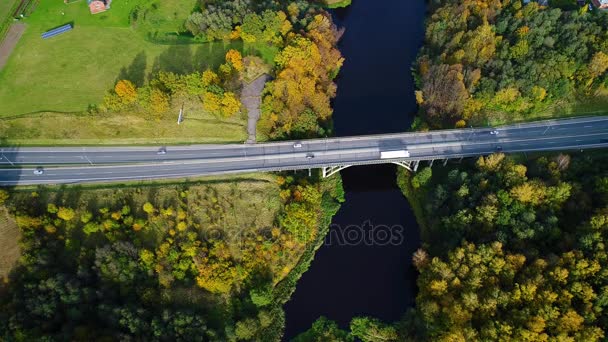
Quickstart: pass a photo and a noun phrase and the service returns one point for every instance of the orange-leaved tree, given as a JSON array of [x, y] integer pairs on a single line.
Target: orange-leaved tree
[[234, 58], [126, 91]]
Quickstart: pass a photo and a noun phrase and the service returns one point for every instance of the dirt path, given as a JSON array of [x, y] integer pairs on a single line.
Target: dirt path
[[10, 41], [251, 98]]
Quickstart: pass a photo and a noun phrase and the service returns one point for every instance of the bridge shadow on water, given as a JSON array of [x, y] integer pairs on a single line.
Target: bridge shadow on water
[[364, 267]]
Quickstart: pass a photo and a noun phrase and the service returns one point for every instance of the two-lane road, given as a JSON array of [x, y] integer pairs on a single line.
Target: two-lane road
[[106, 164]]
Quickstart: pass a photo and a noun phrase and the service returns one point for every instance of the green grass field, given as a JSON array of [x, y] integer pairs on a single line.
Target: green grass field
[[5, 9], [46, 128], [47, 85], [68, 72]]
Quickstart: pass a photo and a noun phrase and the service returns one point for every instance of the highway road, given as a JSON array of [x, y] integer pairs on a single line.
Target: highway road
[[67, 165]]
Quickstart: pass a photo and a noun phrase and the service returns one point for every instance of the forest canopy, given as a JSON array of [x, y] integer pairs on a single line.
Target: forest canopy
[[512, 250], [499, 60], [208, 261]]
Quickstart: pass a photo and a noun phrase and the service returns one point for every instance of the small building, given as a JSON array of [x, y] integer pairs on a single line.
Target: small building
[[601, 4], [98, 6]]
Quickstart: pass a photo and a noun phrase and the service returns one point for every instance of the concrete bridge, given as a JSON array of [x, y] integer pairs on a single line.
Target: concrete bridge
[[66, 165]]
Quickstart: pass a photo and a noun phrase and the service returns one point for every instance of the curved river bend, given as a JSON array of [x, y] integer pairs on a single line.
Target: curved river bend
[[351, 274]]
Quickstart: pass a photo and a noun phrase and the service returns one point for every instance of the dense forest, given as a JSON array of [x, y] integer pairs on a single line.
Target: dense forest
[[495, 61], [211, 261], [297, 102], [513, 249]]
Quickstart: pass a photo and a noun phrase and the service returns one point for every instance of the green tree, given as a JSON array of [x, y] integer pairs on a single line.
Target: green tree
[[372, 330], [324, 330]]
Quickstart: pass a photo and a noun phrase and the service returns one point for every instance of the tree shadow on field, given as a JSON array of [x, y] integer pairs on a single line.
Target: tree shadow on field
[[136, 72], [176, 59], [212, 55]]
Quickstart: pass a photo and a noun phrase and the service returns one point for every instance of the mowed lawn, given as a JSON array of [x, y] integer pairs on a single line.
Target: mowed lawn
[[68, 72], [71, 71], [47, 85]]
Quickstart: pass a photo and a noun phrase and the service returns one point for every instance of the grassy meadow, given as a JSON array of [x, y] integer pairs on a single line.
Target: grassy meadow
[[47, 85], [5, 9], [234, 205], [9, 243]]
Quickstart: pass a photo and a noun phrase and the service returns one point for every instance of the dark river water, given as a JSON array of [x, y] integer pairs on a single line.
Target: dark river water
[[364, 267]]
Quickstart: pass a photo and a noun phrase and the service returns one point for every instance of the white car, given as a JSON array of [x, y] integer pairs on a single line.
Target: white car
[[39, 171], [161, 151], [297, 145], [494, 132]]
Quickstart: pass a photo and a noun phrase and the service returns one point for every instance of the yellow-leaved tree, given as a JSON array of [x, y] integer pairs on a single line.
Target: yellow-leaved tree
[[126, 91], [234, 58]]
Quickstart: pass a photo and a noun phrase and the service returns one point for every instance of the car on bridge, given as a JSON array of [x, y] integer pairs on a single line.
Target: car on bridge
[[310, 155], [39, 171]]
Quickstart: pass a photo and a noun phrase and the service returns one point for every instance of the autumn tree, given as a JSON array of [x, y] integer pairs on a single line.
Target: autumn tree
[[235, 59], [159, 101], [126, 91], [444, 93], [66, 214], [304, 81], [598, 64]]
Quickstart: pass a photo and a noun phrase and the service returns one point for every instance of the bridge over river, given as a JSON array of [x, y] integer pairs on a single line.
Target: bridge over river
[[70, 165]]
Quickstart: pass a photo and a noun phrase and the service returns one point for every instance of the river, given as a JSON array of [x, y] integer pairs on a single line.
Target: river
[[364, 267]]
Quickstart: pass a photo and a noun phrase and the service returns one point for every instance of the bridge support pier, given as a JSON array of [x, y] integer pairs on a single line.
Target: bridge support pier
[[405, 164], [332, 170], [412, 166], [445, 162], [431, 163]]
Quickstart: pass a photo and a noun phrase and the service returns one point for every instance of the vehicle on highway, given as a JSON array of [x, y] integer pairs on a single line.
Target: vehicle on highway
[[498, 148], [162, 151], [394, 154], [39, 170], [297, 145], [494, 132], [309, 155]]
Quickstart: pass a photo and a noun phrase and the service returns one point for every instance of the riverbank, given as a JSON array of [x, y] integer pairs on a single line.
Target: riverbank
[[348, 279]]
